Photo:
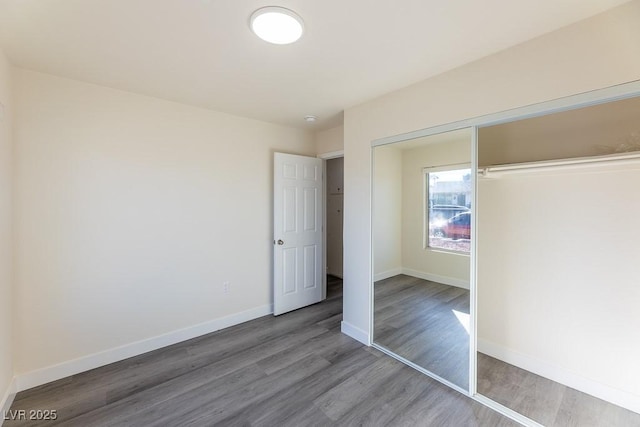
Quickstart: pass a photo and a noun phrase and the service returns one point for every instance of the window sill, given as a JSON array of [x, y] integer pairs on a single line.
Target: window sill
[[447, 251]]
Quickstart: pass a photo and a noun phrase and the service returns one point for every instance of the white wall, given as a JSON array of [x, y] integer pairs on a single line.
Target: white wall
[[6, 243], [558, 276], [450, 268], [330, 140], [130, 213], [387, 212], [595, 53]]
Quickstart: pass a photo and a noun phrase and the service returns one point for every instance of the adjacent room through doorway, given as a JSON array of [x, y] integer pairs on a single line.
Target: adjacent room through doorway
[[334, 214]]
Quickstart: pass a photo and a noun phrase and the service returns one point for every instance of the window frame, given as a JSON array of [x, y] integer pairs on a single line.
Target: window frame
[[425, 204]]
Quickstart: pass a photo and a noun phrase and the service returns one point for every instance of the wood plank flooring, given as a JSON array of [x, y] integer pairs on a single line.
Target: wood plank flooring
[[416, 319], [292, 370], [546, 401], [413, 318]]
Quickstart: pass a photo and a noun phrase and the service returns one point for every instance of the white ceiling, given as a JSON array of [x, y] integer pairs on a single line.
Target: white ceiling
[[201, 52]]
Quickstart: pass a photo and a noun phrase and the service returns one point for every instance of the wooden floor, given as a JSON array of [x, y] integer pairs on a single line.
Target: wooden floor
[[546, 401], [416, 319], [292, 370], [413, 318]]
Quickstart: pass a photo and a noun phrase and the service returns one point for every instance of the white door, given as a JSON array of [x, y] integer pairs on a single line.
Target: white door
[[298, 210]]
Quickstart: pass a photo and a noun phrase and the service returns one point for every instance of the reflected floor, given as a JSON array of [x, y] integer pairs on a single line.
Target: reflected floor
[[546, 401], [425, 322]]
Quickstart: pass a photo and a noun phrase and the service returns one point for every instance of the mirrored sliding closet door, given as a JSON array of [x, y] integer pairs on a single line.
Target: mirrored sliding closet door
[[423, 192]]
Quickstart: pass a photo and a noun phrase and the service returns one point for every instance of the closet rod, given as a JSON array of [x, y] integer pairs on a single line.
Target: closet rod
[[552, 164]]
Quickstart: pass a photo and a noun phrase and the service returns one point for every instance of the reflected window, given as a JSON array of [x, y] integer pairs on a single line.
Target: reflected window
[[448, 212]]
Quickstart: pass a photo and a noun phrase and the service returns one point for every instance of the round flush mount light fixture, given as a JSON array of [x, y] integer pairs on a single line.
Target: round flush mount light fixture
[[276, 25], [310, 119]]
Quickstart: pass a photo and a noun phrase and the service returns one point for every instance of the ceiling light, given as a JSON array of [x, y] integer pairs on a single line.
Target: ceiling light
[[277, 25], [310, 119]]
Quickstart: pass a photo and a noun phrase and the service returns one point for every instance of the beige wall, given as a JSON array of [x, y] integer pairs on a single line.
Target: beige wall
[[387, 212], [590, 131], [595, 53], [131, 212], [430, 264], [398, 210], [558, 276], [330, 140], [6, 303]]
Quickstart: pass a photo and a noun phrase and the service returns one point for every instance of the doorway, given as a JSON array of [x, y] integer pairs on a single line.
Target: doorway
[[334, 196]]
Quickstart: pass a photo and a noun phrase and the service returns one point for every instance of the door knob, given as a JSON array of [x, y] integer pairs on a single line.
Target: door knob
[[280, 242]]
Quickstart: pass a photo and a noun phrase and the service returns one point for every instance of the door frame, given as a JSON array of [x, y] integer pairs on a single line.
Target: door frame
[[326, 156]]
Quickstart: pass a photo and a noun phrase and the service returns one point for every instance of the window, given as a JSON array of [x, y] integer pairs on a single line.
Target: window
[[448, 208]]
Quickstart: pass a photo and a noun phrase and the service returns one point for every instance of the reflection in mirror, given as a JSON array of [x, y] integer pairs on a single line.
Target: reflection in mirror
[[557, 285], [421, 231]]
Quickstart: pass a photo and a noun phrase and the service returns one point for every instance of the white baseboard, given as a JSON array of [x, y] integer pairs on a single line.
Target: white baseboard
[[7, 399], [52, 373], [387, 274], [355, 333], [451, 281], [560, 375]]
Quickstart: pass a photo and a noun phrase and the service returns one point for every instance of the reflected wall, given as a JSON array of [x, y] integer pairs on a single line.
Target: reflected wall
[[421, 293]]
